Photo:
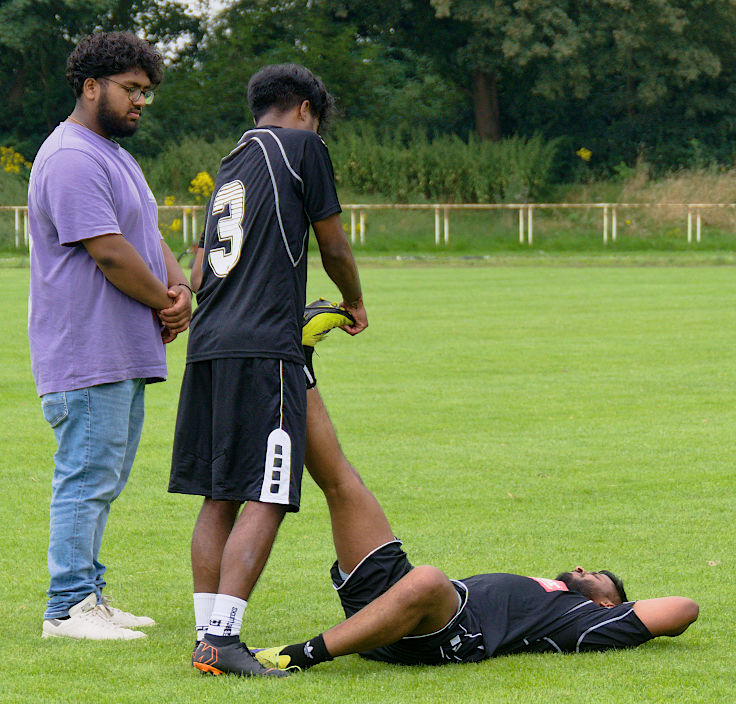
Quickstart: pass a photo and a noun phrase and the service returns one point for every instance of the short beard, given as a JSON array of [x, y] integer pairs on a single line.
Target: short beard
[[113, 125], [573, 584]]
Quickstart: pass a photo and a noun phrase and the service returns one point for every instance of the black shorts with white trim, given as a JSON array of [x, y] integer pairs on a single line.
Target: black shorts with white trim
[[459, 641], [241, 431]]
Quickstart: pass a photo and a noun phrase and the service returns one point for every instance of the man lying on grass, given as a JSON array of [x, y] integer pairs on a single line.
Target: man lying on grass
[[398, 613]]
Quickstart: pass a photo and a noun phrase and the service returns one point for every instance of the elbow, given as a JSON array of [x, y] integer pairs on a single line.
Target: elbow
[[107, 261], [335, 253], [690, 611], [686, 614]]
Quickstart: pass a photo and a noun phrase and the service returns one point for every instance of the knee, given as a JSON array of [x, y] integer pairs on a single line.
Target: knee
[[429, 584], [338, 478]]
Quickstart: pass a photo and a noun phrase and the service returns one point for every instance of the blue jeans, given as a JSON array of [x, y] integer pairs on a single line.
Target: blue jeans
[[97, 430]]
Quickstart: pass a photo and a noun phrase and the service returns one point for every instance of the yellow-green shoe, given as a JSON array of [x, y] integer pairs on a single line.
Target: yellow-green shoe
[[320, 317], [272, 657]]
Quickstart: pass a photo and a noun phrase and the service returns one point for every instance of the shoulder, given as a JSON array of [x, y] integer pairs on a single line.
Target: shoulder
[[66, 147], [71, 165], [291, 140]]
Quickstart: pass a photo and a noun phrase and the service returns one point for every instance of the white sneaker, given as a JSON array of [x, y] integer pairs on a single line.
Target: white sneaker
[[123, 618], [87, 620]]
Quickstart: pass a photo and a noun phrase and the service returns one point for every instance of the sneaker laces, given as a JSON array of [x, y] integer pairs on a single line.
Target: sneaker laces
[[108, 609], [99, 616]]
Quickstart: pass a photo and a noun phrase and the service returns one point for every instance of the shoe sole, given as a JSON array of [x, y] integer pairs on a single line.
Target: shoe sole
[[209, 670], [44, 634]]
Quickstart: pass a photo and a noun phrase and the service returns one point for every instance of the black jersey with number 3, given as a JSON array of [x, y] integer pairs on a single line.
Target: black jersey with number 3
[[274, 183]]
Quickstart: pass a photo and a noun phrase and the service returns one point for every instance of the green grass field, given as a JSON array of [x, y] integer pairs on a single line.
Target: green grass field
[[509, 418]]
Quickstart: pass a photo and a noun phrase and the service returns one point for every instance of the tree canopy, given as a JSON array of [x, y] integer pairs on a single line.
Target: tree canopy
[[623, 78]]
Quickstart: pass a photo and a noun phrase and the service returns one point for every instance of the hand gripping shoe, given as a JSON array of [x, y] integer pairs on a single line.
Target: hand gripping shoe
[[320, 317]]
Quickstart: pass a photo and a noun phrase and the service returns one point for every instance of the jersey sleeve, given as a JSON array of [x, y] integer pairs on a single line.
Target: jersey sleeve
[[617, 627], [320, 194], [79, 198]]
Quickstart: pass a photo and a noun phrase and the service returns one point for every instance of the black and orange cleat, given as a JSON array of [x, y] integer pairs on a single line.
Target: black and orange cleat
[[233, 658]]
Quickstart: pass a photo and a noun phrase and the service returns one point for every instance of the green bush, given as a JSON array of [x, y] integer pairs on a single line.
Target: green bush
[[403, 167], [172, 170], [398, 167]]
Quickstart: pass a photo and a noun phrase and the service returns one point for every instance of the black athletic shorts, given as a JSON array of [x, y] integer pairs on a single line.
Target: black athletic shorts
[[459, 641], [240, 431], [308, 368]]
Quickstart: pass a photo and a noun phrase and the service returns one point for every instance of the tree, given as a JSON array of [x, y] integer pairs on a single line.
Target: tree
[[36, 36]]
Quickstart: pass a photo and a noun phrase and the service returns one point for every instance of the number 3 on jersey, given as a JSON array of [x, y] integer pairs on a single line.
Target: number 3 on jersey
[[230, 227]]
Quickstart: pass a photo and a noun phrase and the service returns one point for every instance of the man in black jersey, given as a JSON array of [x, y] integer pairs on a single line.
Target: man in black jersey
[[240, 430], [402, 614]]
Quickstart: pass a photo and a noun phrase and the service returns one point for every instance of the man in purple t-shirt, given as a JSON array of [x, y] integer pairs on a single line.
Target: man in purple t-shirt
[[106, 294]]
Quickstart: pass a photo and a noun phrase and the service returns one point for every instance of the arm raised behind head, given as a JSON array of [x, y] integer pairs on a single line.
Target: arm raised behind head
[[667, 616]]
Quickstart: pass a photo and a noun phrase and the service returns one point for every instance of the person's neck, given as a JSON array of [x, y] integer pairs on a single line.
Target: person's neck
[[80, 117], [277, 118]]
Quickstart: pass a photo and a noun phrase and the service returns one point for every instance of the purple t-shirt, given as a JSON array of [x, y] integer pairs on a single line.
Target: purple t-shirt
[[84, 331]]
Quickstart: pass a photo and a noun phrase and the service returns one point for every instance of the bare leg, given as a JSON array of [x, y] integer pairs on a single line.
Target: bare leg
[[359, 524], [214, 523], [248, 547], [422, 602]]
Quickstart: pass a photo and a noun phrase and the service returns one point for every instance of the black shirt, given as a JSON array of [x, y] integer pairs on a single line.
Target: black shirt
[[268, 191], [523, 614]]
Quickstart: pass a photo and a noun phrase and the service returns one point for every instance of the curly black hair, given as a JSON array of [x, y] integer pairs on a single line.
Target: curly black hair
[[283, 86], [109, 53]]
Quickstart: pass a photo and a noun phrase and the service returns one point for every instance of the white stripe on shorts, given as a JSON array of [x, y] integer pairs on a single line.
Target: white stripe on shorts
[[277, 469]]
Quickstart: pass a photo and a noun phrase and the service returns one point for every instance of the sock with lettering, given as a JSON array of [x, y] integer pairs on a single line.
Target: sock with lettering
[[227, 616]]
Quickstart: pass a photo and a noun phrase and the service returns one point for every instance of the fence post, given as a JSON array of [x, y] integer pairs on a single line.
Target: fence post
[[352, 225], [613, 223], [689, 224], [697, 227], [25, 227], [17, 228], [195, 234], [447, 226], [605, 224], [184, 226], [436, 226], [530, 227], [362, 227], [521, 225]]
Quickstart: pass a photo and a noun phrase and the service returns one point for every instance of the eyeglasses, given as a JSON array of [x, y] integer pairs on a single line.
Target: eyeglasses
[[134, 93]]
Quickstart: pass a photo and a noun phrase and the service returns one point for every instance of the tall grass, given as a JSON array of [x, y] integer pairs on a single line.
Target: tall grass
[[403, 167]]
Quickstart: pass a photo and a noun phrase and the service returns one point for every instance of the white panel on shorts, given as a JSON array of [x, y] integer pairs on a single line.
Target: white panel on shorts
[[277, 471]]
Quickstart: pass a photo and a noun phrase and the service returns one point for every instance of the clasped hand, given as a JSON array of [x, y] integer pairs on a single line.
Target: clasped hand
[[176, 317]]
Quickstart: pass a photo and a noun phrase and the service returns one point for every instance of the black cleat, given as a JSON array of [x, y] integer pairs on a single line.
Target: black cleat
[[234, 659]]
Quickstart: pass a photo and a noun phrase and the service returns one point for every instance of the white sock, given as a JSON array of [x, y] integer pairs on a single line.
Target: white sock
[[227, 616], [203, 603]]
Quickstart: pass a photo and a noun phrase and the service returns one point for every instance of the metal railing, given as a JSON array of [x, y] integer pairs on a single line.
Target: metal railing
[[610, 211]]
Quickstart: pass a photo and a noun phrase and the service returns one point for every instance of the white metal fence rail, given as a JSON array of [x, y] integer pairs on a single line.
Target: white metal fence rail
[[192, 215]]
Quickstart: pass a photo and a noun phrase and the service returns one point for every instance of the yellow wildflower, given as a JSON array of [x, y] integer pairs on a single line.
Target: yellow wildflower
[[202, 185], [11, 161]]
